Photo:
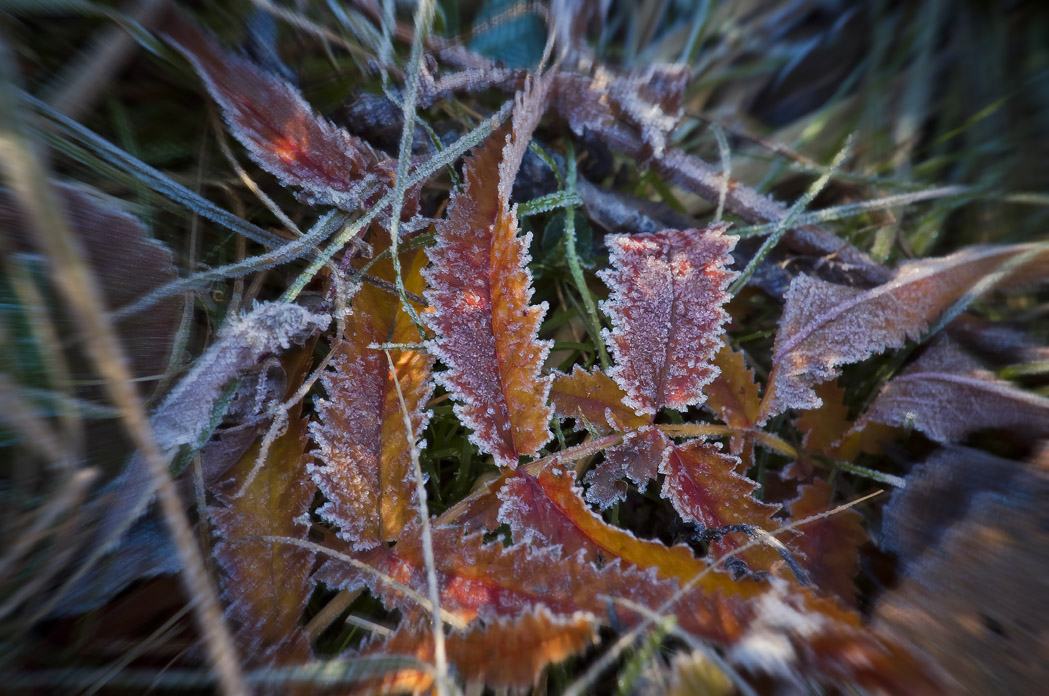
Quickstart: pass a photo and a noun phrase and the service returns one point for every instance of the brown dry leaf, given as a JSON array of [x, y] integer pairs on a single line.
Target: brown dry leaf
[[828, 548], [595, 398], [978, 601], [480, 288], [266, 585], [938, 493], [825, 326], [365, 467], [503, 653], [946, 395]]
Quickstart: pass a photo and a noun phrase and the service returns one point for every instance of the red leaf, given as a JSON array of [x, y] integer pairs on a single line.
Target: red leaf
[[480, 288], [814, 638], [828, 548], [704, 488], [595, 398], [480, 581], [365, 468], [668, 289], [280, 130]]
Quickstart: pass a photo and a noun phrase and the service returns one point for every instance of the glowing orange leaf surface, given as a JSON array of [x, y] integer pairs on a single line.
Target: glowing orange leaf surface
[[365, 467], [480, 288]]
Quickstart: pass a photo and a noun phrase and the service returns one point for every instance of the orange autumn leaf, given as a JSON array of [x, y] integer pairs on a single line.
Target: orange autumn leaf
[[365, 467], [549, 509], [829, 431], [595, 398], [733, 395], [480, 581], [504, 653], [480, 288], [828, 548], [266, 585]]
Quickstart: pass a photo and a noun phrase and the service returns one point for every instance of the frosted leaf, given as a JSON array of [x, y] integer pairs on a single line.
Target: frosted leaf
[[639, 457], [365, 468], [184, 416], [592, 398], [281, 131], [649, 99], [480, 289], [704, 488], [667, 293], [269, 328], [825, 326], [946, 395]]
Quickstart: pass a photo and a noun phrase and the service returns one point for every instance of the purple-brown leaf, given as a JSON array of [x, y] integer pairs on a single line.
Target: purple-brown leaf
[[825, 326], [947, 395]]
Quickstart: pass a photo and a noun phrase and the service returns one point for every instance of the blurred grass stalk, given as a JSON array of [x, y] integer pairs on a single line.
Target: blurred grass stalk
[[27, 176]]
